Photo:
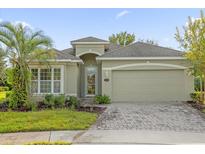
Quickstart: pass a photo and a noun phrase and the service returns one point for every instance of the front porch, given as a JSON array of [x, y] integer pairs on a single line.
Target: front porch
[[89, 77]]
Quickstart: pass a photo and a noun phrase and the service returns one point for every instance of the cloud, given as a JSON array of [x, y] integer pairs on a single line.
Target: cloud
[[121, 14]]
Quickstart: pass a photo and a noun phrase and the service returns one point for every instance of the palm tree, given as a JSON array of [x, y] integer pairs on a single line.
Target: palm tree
[[2, 67], [21, 46]]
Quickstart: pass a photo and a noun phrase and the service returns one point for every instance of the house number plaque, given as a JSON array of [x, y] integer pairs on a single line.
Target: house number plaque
[[106, 80]]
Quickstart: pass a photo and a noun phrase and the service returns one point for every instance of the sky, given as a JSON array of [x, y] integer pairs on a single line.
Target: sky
[[65, 25]]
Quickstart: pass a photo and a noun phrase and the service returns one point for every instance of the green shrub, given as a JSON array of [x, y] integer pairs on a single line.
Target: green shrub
[[2, 95], [195, 96], [49, 100], [8, 93], [197, 81], [4, 89], [59, 101], [74, 102], [102, 99], [31, 106], [17, 100]]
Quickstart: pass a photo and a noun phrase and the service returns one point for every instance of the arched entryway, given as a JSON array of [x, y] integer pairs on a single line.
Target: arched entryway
[[89, 75]]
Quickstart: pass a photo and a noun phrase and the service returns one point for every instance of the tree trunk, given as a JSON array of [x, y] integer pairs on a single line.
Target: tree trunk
[[201, 88]]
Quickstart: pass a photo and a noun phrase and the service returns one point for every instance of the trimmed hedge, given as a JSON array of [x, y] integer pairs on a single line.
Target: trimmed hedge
[[102, 99]]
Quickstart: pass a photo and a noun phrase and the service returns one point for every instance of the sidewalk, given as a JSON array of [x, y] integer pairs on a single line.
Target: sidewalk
[[105, 137], [27, 137], [139, 137]]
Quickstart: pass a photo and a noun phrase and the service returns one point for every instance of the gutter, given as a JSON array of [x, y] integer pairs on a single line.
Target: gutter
[[140, 58]]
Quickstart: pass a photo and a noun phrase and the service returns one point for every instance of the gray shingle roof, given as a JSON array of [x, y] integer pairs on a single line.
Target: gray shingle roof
[[63, 55], [69, 51], [140, 49], [112, 46], [89, 39]]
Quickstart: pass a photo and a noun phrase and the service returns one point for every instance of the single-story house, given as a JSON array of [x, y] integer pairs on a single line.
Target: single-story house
[[137, 72]]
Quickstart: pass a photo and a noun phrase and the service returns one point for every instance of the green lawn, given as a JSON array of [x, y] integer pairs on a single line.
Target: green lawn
[[45, 120]]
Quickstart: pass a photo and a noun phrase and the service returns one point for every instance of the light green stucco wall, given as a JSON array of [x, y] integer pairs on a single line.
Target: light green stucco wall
[[89, 48], [112, 63], [71, 79], [107, 73]]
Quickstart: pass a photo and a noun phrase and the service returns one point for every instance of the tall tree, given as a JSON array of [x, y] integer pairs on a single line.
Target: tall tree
[[122, 38], [22, 45], [192, 40]]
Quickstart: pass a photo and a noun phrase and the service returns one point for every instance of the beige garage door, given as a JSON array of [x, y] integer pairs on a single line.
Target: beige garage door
[[166, 85]]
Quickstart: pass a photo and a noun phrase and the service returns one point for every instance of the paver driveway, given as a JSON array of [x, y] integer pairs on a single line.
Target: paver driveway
[[164, 116]]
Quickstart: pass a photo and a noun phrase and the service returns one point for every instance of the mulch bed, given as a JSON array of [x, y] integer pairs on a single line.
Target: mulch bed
[[197, 105], [4, 107], [94, 109]]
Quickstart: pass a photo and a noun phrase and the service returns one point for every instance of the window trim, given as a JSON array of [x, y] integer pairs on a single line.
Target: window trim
[[34, 80], [52, 78]]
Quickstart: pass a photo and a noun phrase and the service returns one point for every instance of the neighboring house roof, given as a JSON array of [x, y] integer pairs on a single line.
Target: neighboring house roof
[[65, 56], [89, 39], [140, 49], [113, 46], [69, 51]]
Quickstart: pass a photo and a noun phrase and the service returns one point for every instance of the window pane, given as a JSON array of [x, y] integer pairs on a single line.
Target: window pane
[[34, 73], [45, 74], [57, 74], [56, 87], [34, 87], [45, 86]]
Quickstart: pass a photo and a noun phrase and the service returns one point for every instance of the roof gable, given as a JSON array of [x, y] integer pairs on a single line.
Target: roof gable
[[90, 40]]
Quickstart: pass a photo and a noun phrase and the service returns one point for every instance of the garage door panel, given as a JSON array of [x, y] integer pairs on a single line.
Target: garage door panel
[[148, 85]]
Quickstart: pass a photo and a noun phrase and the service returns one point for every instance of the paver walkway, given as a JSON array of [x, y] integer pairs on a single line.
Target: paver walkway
[[153, 116]]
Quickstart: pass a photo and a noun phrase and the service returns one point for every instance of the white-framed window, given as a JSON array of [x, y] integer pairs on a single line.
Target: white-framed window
[[34, 80], [56, 80], [46, 80]]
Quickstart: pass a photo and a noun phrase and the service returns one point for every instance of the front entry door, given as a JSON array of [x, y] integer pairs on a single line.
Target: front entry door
[[90, 81]]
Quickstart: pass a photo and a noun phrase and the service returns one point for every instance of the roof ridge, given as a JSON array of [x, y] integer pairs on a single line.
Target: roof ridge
[[54, 49], [66, 49], [93, 37]]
